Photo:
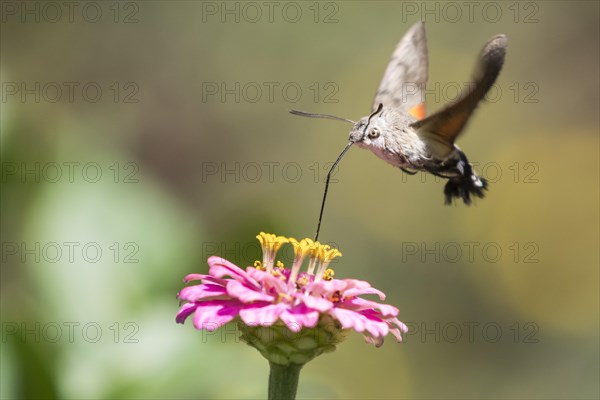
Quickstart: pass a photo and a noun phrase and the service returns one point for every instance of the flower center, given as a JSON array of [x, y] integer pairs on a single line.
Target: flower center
[[336, 297], [319, 255]]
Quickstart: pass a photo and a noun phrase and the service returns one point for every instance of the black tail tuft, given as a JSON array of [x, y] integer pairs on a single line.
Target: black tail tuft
[[463, 187]]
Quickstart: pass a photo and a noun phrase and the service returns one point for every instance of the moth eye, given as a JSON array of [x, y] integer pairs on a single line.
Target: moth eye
[[374, 133]]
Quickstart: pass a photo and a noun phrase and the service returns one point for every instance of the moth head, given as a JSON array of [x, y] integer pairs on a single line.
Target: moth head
[[370, 131]]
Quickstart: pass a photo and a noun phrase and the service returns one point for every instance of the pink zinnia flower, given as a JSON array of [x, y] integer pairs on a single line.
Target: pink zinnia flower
[[273, 296]]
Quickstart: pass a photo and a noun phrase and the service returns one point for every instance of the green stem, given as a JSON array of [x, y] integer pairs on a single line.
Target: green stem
[[283, 381]]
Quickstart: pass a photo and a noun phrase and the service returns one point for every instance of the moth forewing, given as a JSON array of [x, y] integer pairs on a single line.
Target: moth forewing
[[403, 83]]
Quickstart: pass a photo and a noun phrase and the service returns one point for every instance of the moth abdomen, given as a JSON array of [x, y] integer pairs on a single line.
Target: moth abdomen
[[465, 182], [463, 187]]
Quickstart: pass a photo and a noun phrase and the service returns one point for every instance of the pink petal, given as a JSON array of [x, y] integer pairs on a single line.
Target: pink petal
[[185, 312], [211, 315], [220, 267], [261, 314], [396, 333], [267, 279], [394, 321], [336, 285], [246, 294], [198, 292], [394, 326], [377, 327], [316, 303], [355, 283], [397, 328], [360, 323], [348, 319], [216, 281], [358, 292], [326, 288], [359, 304], [299, 317], [194, 277]]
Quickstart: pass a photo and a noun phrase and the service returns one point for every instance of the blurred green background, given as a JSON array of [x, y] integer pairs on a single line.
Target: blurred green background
[[129, 156]]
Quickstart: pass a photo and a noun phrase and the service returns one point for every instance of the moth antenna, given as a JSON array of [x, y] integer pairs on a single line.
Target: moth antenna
[[327, 186], [374, 113], [327, 116]]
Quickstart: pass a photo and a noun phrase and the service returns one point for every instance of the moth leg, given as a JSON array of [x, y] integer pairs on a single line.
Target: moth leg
[[406, 171], [432, 172]]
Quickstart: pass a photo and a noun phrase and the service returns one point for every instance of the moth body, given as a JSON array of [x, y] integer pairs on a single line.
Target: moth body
[[390, 137]]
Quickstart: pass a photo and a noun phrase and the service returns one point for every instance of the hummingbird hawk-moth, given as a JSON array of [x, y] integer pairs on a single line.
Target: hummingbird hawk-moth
[[397, 130]]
